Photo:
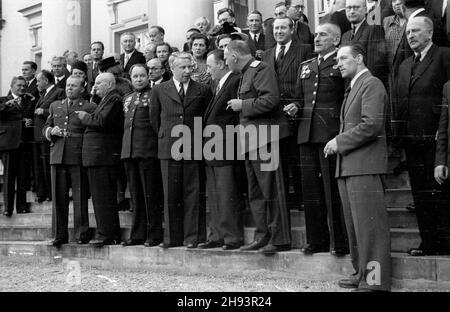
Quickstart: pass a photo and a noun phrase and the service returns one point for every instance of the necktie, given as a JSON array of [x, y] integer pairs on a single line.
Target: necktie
[[353, 32], [181, 92], [280, 57], [415, 64], [321, 59], [347, 92], [218, 89], [127, 59]]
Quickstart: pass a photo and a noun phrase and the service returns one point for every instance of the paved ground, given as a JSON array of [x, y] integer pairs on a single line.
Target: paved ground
[[26, 274]]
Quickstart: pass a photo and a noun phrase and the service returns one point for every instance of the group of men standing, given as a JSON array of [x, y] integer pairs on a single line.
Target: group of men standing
[[326, 115]]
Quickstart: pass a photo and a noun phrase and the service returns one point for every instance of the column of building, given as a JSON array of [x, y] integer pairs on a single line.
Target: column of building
[[66, 25]]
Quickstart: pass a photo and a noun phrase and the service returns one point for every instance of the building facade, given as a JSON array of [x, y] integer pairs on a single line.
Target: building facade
[[37, 30]]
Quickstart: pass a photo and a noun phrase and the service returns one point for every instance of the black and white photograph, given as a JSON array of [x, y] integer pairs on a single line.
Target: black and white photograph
[[224, 152]]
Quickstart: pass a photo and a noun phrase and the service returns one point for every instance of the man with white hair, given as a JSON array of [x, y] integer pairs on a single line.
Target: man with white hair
[[130, 56], [420, 83], [175, 104], [102, 145]]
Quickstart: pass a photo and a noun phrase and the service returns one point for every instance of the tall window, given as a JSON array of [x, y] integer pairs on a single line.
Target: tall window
[[240, 9]]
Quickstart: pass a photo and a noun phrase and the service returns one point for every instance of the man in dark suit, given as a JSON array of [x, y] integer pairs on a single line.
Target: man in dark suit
[[420, 83], [223, 186], [361, 160], [29, 73], [64, 129], [179, 103], [259, 107], [59, 71], [79, 69], [302, 33], [102, 143], [130, 56], [370, 37], [49, 94], [256, 37], [13, 124], [285, 59], [155, 72], [441, 175], [97, 51], [321, 92], [440, 9], [338, 16], [140, 156]]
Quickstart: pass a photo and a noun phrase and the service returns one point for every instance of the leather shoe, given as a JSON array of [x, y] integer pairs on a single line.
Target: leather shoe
[[191, 246], [416, 252], [106, 242], [348, 283], [82, 242], [151, 243], [7, 214], [254, 246], [132, 242], [368, 290], [312, 249], [209, 245], [272, 249], [40, 200], [231, 246], [59, 242], [340, 252], [166, 246]]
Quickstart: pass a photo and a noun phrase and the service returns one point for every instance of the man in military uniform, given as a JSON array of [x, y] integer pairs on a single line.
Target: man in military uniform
[[321, 90], [65, 131], [259, 107], [139, 153]]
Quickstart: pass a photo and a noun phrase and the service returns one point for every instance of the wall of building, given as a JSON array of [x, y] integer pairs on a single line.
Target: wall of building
[[15, 41]]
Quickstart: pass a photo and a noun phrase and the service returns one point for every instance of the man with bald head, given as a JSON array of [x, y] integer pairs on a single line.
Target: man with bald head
[[370, 37], [321, 92], [420, 84], [65, 131], [101, 155]]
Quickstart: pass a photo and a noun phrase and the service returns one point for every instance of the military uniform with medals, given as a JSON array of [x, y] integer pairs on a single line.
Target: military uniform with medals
[[322, 90], [139, 154]]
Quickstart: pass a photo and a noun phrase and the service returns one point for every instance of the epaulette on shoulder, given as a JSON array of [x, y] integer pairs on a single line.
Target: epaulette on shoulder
[[255, 64], [308, 61]]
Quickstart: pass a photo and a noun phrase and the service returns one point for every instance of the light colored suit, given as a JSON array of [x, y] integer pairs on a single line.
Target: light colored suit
[[362, 158]]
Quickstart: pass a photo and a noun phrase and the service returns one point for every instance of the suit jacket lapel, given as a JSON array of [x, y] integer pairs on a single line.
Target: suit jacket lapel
[[423, 66], [216, 98], [271, 57], [288, 59], [172, 92], [191, 94], [353, 92], [360, 31]]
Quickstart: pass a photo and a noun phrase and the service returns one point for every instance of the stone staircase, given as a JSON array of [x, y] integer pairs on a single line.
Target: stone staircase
[[30, 235]]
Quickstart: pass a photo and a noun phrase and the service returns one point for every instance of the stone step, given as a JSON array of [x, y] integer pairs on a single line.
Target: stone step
[[432, 273], [399, 218], [401, 239], [398, 198], [397, 181]]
